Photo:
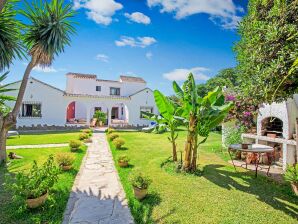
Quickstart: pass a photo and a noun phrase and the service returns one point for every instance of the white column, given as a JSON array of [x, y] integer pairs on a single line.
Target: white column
[[109, 116], [88, 116], [284, 156]]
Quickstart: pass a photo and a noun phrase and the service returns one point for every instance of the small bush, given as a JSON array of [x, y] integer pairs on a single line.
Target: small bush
[[83, 136], [87, 131], [110, 130], [123, 159], [140, 180], [112, 136], [36, 182], [75, 144], [65, 159], [118, 143]]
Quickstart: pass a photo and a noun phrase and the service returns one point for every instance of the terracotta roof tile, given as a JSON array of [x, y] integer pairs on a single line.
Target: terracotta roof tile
[[80, 75], [124, 78]]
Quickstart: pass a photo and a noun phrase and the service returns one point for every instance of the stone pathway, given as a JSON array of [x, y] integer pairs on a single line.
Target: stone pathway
[[97, 195], [36, 146]]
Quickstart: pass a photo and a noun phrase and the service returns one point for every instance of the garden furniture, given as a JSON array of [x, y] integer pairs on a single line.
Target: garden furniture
[[13, 133], [257, 151]]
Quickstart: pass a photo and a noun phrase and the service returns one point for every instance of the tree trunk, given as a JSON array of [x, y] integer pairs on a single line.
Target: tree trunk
[[22, 89], [194, 154], [2, 3], [189, 143], [3, 135], [174, 151], [10, 119], [174, 145]]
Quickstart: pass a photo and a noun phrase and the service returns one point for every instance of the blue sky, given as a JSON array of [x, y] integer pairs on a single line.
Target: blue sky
[[159, 40]]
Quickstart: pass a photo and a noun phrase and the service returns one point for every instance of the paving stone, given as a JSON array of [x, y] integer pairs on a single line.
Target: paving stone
[[97, 195]]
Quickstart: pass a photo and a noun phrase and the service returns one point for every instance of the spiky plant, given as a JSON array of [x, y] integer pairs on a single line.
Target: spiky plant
[[10, 44]]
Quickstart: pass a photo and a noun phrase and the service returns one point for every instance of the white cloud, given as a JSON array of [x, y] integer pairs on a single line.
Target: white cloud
[[222, 12], [45, 69], [100, 11], [182, 73], [102, 57], [138, 17], [149, 55], [135, 42]]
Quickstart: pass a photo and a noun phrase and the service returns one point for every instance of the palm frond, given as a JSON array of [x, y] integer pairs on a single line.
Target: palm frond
[[49, 30], [10, 35]]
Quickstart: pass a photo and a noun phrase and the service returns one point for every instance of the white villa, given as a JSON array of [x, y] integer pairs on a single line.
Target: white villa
[[122, 100]]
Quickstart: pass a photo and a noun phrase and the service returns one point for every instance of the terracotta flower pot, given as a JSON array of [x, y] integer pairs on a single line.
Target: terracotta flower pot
[[295, 188], [140, 193], [65, 168], [36, 202], [123, 163]]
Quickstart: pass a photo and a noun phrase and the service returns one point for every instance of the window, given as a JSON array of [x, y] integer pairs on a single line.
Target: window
[[98, 88], [31, 110], [122, 111], [145, 109], [114, 91]]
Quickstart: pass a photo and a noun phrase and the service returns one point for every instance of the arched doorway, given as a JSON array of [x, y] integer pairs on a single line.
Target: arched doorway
[[76, 113], [119, 115]]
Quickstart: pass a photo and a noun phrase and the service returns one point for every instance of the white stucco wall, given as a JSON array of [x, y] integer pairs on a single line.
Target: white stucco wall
[[77, 85], [144, 98], [53, 107]]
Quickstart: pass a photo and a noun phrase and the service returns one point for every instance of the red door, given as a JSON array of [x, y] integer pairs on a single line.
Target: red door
[[71, 110]]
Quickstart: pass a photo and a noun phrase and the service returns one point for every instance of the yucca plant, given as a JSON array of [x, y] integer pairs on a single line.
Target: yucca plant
[[44, 36]]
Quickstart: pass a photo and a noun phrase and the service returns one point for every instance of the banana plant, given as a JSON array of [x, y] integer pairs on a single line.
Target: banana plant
[[167, 119], [201, 114]]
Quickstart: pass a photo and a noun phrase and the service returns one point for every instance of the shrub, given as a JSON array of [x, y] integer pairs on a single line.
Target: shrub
[[123, 159], [112, 136], [291, 174], [110, 130], [87, 131], [233, 135], [83, 136], [140, 180], [65, 159], [75, 144], [118, 143], [36, 182]]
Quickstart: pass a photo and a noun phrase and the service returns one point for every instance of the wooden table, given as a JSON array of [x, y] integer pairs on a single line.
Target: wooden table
[[256, 149]]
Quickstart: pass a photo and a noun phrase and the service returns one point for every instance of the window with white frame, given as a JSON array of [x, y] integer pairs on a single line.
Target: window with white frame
[[114, 91], [31, 109], [145, 109]]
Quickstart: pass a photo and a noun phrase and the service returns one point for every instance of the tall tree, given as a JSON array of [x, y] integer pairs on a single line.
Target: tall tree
[[44, 37], [267, 50]]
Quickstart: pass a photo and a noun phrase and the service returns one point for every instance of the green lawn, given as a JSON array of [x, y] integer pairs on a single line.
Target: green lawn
[[50, 137], [220, 195], [52, 211]]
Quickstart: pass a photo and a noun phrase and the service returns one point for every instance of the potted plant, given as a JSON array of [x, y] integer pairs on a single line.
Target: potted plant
[[123, 161], [34, 186], [118, 143], [74, 145], [140, 183], [291, 175], [65, 160], [101, 117]]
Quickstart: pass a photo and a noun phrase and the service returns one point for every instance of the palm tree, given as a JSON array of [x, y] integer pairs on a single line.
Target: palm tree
[[44, 37], [10, 44], [2, 3]]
